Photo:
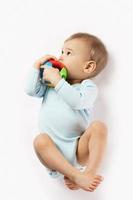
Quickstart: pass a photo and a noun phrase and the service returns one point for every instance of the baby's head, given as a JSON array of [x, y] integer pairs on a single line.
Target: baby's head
[[84, 56]]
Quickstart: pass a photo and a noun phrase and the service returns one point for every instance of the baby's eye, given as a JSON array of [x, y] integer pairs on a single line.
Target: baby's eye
[[62, 52], [68, 53]]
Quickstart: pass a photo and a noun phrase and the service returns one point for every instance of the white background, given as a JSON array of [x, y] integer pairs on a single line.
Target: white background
[[30, 29]]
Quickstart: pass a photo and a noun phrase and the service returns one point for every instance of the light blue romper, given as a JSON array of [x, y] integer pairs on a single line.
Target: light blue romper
[[65, 112]]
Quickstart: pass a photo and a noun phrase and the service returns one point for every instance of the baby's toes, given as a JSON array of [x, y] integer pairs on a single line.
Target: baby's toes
[[97, 180], [98, 177], [93, 186]]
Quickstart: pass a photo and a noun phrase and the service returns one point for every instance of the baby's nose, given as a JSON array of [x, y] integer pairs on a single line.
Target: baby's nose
[[61, 58]]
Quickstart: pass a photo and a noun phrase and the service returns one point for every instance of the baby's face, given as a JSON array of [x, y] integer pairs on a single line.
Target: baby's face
[[74, 55]]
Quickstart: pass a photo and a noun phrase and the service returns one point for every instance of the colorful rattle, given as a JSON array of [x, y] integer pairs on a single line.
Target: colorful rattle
[[53, 63]]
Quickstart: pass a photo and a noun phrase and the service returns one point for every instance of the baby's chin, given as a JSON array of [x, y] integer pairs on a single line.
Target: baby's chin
[[73, 81]]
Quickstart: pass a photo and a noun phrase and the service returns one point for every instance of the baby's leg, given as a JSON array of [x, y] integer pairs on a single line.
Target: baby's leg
[[51, 157], [41, 160], [91, 146], [49, 153], [90, 150]]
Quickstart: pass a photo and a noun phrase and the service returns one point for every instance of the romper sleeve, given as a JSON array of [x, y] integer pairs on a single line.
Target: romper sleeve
[[80, 97], [33, 86]]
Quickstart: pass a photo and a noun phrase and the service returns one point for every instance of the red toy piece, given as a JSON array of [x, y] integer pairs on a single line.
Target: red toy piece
[[56, 64]]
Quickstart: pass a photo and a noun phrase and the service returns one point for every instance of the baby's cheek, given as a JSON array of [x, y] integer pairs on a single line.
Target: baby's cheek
[[75, 72], [71, 74]]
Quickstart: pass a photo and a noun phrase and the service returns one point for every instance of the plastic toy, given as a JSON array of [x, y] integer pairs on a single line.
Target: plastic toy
[[53, 63]]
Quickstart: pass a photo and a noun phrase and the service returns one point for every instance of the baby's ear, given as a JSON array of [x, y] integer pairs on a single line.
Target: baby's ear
[[89, 66]]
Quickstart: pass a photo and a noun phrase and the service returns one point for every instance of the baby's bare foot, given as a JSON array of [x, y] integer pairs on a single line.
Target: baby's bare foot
[[87, 181]]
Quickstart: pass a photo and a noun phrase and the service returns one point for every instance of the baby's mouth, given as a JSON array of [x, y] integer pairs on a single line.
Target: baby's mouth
[[60, 60]]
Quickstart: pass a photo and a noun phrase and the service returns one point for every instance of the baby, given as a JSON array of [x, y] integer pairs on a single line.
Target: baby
[[68, 143]]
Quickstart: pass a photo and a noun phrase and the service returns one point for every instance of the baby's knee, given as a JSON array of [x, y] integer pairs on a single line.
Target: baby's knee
[[100, 127], [41, 141]]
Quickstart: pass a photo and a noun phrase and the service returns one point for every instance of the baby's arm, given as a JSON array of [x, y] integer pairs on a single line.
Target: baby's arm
[[78, 98], [33, 86]]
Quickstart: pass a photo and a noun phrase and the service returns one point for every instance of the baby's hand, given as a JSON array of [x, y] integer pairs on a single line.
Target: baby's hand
[[43, 59], [52, 75]]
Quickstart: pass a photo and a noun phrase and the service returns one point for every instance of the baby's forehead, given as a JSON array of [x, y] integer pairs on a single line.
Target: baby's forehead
[[74, 42], [77, 44]]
